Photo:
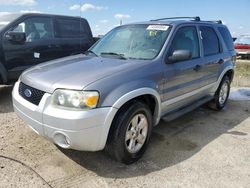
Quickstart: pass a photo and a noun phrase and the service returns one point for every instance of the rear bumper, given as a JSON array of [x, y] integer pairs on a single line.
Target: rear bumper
[[243, 52], [80, 130]]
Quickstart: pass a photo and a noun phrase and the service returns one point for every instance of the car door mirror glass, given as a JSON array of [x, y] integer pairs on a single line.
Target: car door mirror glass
[[16, 37], [179, 55]]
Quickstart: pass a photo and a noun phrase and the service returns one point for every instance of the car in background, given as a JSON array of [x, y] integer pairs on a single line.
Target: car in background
[[33, 38], [242, 46]]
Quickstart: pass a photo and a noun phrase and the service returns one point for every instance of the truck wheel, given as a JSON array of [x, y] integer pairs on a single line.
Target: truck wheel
[[221, 95], [130, 132]]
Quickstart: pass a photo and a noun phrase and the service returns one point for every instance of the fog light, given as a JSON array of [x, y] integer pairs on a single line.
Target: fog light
[[62, 140]]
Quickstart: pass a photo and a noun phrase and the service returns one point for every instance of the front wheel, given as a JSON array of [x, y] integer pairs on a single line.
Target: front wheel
[[221, 95], [130, 132]]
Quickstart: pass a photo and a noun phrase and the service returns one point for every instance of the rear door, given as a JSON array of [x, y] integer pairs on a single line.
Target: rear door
[[211, 52]]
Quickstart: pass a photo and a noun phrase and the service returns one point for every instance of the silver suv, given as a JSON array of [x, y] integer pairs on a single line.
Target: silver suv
[[112, 96]]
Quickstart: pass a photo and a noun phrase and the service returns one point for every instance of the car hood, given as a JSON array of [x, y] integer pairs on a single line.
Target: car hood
[[74, 72]]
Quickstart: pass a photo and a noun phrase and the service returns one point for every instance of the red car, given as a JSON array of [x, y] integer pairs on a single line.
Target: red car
[[242, 46]]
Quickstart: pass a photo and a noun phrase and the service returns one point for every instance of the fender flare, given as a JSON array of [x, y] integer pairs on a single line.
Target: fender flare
[[139, 92], [228, 68], [121, 101]]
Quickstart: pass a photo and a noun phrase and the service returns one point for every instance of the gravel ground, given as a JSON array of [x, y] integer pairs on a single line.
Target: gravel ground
[[201, 149]]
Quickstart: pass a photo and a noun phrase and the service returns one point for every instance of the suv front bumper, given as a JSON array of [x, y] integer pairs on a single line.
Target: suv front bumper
[[79, 130]]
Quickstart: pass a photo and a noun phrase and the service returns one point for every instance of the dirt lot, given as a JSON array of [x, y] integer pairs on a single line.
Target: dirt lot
[[242, 73], [201, 149]]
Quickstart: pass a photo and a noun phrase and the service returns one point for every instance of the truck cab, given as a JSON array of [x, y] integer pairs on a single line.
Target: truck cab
[[30, 39]]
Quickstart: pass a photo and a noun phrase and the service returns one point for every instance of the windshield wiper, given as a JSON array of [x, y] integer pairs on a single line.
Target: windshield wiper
[[91, 52], [138, 58], [121, 56]]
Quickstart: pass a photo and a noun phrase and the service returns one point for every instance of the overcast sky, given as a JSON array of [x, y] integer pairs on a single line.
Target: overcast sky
[[104, 15]]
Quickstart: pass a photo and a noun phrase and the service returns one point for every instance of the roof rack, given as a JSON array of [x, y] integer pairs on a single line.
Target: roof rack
[[196, 18], [215, 21]]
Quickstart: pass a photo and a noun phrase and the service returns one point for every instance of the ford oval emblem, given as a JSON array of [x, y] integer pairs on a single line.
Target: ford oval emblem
[[27, 93]]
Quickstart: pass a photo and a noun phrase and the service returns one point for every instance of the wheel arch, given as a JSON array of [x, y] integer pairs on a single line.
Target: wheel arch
[[230, 74], [228, 71], [146, 95]]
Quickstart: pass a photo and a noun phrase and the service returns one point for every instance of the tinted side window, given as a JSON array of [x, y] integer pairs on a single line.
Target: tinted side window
[[36, 28], [186, 38], [226, 37], [210, 41], [69, 28]]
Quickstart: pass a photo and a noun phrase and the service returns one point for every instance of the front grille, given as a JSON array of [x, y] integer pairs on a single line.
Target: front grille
[[30, 94]]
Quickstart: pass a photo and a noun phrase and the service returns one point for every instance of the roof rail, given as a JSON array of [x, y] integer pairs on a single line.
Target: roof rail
[[215, 21], [196, 18]]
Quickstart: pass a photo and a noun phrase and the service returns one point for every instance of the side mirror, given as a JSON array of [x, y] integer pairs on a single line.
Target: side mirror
[[16, 37], [96, 39], [179, 55]]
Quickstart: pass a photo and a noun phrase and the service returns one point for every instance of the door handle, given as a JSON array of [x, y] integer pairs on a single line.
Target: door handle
[[197, 67], [53, 46]]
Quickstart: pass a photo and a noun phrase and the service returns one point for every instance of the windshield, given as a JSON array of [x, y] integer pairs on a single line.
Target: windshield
[[6, 19], [133, 41], [242, 40]]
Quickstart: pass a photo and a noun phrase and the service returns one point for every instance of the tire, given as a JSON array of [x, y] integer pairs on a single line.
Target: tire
[[221, 95], [130, 133]]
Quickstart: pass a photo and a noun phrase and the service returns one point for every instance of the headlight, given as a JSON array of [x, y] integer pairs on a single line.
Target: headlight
[[77, 100]]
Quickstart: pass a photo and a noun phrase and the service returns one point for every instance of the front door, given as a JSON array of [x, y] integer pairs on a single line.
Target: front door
[[38, 47], [183, 78]]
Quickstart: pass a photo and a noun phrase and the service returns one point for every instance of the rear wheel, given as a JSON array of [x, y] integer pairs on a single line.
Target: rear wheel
[[130, 132], [221, 95]]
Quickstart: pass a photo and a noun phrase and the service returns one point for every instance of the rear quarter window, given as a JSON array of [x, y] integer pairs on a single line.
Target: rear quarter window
[[71, 28], [226, 37]]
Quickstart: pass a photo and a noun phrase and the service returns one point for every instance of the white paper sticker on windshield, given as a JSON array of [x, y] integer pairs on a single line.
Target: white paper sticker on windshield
[[158, 27]]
